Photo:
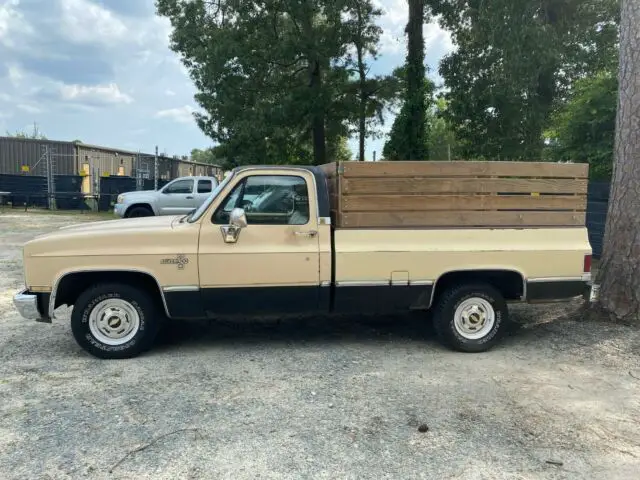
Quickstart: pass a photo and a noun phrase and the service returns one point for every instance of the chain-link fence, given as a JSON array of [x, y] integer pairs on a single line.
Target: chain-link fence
[[73, 175]]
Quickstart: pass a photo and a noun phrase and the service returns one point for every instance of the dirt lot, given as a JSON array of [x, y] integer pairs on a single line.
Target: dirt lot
[[559, 398]]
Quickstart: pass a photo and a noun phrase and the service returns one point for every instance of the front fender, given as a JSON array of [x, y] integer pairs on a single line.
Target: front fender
[[142, 200]]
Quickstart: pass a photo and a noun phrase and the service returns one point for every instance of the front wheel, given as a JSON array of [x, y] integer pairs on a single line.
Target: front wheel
[[114, 321], [471, 318], [139, 212]]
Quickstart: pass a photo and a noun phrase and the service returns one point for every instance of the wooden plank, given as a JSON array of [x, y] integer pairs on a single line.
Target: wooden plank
[[465, 169], [427, 185], [460, 219], [409, 203]]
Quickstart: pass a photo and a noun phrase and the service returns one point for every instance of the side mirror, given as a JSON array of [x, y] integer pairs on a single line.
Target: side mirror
[[238, 218], [237, 221]]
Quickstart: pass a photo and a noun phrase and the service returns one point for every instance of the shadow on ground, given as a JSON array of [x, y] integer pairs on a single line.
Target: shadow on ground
[[532, 326]]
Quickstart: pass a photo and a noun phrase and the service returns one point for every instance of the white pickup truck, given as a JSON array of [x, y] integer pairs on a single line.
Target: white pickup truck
[[177, 197]]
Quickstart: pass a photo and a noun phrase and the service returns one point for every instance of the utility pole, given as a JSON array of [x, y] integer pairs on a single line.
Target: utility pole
[[374, 155], [155, 170]]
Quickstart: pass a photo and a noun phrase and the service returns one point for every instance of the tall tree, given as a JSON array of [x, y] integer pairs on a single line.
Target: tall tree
[[364, 35], [416, 107], [583, 128], [408, 136], [399, 144], [441, 143], [619, 274], [515, 60], [270, 75]]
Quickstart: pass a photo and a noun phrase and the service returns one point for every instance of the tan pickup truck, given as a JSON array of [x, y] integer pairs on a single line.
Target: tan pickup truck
[[459, 238]]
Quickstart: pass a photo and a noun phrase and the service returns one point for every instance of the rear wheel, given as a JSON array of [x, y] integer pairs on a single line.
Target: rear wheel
[[115, 321], [136, 212], [470, 318]]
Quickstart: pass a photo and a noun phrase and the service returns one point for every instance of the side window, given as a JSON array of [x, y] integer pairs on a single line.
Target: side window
[[181, 186], [204, 186], [269, 200], [221, 216]]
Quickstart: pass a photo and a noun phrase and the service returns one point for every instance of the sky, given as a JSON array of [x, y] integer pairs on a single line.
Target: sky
[[101, 71]]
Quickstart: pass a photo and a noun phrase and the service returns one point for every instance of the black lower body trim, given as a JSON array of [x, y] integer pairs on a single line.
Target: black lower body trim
[[379, 298], [264, 300], [250, 301], [550, 291], [184, 304]]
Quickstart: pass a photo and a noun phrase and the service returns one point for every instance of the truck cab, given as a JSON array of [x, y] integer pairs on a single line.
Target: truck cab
[[272, 241]]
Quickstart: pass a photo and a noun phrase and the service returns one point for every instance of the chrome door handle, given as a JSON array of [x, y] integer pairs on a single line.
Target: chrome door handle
[[311, 234]]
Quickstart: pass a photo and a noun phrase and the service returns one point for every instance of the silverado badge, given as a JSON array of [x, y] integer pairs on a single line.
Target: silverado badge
[[181, 260]]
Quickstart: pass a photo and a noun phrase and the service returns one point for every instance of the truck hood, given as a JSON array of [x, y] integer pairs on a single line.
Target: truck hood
[[111, 237], [141, 223], [138, 193]]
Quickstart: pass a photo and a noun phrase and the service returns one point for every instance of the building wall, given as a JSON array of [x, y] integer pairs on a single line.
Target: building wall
[[92, 162], [105, 162], [16, 153]]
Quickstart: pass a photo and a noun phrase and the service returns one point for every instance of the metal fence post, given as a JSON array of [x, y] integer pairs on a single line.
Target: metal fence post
[[155, 170]]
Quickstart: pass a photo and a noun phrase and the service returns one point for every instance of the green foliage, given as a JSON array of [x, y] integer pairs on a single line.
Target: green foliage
[[274, 78], [441, 140], [583, 129], [515, 61], [207, 155], [399, 145], [35, 134], [370, 95]]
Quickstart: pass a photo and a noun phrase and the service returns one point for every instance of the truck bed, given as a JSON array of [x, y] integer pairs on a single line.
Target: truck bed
[[456, 194]]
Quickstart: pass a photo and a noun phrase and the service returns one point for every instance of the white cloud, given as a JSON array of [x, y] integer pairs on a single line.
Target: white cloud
[[394, 21], [179, 114], [94, 94], [15, 75], [11, 21], [169, 93], [85, 22], [29, 108]]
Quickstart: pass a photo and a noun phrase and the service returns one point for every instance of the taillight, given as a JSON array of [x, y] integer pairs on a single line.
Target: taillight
[[587, 264]]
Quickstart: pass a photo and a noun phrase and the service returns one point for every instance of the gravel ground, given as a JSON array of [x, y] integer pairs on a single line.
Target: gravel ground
[[320, 398]]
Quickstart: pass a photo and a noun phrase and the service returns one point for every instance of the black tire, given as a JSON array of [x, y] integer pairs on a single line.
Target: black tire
[[136, 212], [445, 323], [146, 307]]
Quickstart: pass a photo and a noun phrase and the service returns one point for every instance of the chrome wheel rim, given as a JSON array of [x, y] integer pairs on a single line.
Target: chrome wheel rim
[[474, 318], [114, 322]]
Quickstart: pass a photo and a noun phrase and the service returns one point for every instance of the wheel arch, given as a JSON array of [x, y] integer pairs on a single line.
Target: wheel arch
[[510, 282], [146, 205], [70, 284]]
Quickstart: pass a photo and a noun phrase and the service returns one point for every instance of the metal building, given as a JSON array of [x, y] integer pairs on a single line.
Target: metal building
[[28, 156], [31, 156]]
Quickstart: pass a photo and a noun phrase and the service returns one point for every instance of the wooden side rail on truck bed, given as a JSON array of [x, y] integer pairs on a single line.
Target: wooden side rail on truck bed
[[457, 194]]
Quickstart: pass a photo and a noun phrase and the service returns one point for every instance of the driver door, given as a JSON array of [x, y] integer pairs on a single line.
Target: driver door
[[177, 197], [273, 265]]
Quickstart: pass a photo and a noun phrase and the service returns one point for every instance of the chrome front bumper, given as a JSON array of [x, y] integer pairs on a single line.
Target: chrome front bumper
[[27, 304]]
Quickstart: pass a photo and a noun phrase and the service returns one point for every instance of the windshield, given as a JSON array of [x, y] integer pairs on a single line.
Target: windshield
[[195, 216]]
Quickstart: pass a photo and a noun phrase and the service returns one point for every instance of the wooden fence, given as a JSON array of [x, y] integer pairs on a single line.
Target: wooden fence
[[454, 194]]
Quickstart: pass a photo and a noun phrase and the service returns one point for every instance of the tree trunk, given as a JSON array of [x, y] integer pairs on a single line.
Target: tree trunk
[[619, 274], [318, 127], [416, 82], [362, 113]]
